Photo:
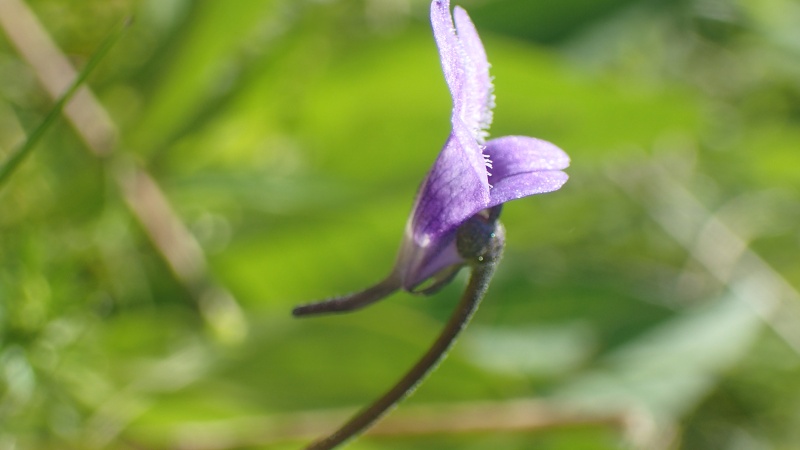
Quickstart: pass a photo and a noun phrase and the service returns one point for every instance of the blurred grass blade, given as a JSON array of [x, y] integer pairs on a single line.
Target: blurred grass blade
[[8, 168]]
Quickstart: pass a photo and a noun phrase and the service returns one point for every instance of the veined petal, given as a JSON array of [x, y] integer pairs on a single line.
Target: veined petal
[[456, 187], [479, 101], [523, 166]]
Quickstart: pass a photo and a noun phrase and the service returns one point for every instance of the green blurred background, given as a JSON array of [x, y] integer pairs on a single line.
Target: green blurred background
[[649, 304]]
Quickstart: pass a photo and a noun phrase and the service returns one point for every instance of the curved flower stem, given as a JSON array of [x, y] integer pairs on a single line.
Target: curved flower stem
[[350, 302], [482, 272]]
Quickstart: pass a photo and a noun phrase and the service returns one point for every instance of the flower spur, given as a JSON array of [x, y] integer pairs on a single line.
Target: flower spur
[[454, 221]]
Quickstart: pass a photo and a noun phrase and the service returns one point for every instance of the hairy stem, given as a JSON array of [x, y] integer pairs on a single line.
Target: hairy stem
[[482, 272]]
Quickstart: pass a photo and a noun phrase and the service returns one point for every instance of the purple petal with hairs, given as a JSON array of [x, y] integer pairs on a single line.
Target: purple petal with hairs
[[471, 177], [460, 185], [478, 98], [523, 166]]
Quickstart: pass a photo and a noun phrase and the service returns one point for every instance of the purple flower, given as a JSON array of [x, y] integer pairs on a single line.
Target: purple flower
[[454, 222], [470, 175]]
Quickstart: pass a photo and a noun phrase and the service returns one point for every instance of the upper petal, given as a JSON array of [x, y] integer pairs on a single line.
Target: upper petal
[[451, 53], [479, 97], [465, 67]]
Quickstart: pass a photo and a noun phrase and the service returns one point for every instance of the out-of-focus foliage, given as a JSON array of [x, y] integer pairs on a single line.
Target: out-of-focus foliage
[[290, 136]]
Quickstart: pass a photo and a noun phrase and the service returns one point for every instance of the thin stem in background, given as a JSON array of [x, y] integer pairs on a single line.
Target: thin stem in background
[[713, 243], [509, 416], [145, 199], [13, 162], [140, 191]]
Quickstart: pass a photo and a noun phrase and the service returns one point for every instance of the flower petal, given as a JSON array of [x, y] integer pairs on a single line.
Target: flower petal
[[479, 98], [456, 187], [416, 264], [450, 51], [523, 166], [525, 184], [512, 155]]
